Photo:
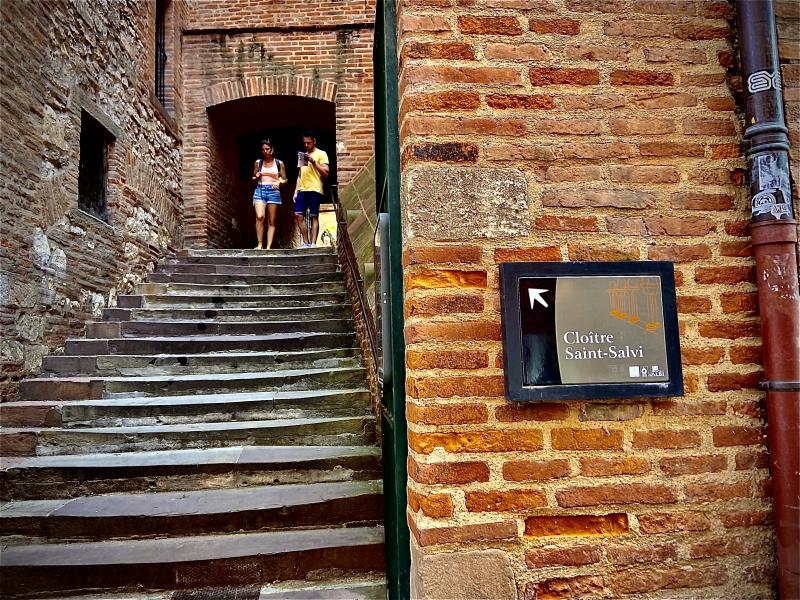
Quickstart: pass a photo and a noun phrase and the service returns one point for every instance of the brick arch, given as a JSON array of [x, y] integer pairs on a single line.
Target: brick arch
[[282, 85]]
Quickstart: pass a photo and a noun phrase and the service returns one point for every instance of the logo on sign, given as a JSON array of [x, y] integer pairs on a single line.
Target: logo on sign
[[762, 81], [768, 202]]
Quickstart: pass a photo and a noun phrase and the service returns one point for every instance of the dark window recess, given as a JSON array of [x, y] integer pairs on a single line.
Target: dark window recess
[[161, 52], [93, 167]]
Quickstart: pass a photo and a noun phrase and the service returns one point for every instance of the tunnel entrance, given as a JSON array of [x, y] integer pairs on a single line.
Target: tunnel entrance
[[236, 129]]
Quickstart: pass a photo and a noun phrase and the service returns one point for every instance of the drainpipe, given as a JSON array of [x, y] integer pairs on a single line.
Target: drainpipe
[[774, 240]]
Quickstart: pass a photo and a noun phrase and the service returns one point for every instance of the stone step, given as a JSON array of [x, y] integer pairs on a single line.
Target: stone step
[[272, 289], [95, 388], [262, 313], [246, 278], [263, 260], [328, 431], [173, 266], [255, 508], [194, 408], [212, 362], [167, 563], [373, 588], [304, 253], [113, 329], [201, 344], [197, 301], [42, 477]]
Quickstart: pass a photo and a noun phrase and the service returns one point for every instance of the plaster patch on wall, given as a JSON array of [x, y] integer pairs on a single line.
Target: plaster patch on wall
[[40, 248], [457, 203]]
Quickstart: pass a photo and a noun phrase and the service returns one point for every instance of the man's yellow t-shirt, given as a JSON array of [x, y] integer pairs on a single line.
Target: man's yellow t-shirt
[[310, 181]]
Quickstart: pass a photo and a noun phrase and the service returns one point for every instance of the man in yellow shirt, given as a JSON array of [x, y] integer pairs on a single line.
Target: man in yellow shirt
[[308, 193]]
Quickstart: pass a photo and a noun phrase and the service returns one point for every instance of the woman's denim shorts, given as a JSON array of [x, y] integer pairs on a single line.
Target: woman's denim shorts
[[265, 193]]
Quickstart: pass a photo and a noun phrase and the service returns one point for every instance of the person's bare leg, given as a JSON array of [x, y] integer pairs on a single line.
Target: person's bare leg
[[259, 225], [314, 230], [301, 224], [272, 212]]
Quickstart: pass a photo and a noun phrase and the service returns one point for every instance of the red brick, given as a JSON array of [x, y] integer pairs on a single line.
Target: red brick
[[535, 470], [650, 580], [597, 53], [451, 100], [693, 465], [751, 459], [702, 79], [555, 76], [447, 414], [489, 25], [581, 252], [449, 50], [746, 518], [514, 152], [444, 278], [521, 440], [535, 254], [519, 52], [416, 24], [448, 387], [508, 500], [671, 149], [633, 126], [720, 104], [723, 382], [666, 7], [664, 100], [702, 356], [727, 546], [629, 554], [563, 525], [443, 305], [424, 125], [426, 74], [520, 101], [593, 101], [685, 408], [731, 330], [465, 330], [739, 302], [701, 201], [751, 409], [520, 412], [501, 530], [712, 492], [678, 226], [692, 31], [456, 152], [436, 506], [560, 26], [567, 126], [685, 253], [631, 493], [644, 174], [450, 473], [442, 254], [724, 275], [715, 127], [673, 522], [602, 150], [550, 556], [633, 28], [675, 55], [447, 359], [738, 228], [718, 10], [586, 439], [666, 439], [604, 467], [738, 436], [561, 223], [635, 77], [567, 588], [744, 355], [737, 249]]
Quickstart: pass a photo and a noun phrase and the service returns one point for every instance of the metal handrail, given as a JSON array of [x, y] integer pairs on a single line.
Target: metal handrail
[[343, 237]]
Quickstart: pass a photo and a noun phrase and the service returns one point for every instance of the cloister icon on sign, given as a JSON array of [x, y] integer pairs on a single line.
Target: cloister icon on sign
[[625, 302]]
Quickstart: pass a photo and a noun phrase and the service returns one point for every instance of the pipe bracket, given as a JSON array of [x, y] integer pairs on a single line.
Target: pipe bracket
[[780, 386]]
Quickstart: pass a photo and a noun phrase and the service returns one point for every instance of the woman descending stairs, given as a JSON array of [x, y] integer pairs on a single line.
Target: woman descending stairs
[[210, 438]]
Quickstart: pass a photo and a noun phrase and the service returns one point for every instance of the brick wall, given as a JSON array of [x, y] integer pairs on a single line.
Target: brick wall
[[232, 43], [572, 130], [60, 266]]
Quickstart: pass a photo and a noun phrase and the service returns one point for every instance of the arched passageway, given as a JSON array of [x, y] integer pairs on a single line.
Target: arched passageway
[[235, 130]]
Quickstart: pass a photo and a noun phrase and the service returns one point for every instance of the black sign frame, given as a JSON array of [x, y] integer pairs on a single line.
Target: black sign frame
[[510, 275]]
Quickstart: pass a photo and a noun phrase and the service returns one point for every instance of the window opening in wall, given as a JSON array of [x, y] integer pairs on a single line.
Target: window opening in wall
[[161, 52], [93, 167]]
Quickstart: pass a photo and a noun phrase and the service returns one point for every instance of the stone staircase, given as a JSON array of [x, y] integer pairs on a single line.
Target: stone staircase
[[210, 438]]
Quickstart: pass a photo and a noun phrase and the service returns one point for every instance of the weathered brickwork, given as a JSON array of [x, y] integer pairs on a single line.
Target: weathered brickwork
[[320, 50], [574, 130], [59, 265]]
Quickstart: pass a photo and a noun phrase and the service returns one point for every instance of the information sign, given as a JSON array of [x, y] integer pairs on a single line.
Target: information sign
[[590, 330]]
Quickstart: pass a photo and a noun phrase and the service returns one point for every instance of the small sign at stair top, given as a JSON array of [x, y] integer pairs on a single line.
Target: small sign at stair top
[[590, 330]]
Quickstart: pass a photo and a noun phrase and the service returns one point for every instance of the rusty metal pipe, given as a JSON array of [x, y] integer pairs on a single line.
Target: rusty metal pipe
[[774, 241]]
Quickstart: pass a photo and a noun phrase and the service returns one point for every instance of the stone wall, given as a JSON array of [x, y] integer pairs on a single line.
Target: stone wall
[[294, 49], [61, 266], [573, 130]]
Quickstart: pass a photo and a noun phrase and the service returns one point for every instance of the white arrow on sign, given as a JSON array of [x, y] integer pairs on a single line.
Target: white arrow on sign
[[535, 295]]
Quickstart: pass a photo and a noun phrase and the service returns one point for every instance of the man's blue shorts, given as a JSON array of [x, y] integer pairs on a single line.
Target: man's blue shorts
[[307, 200], [265, 193]]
